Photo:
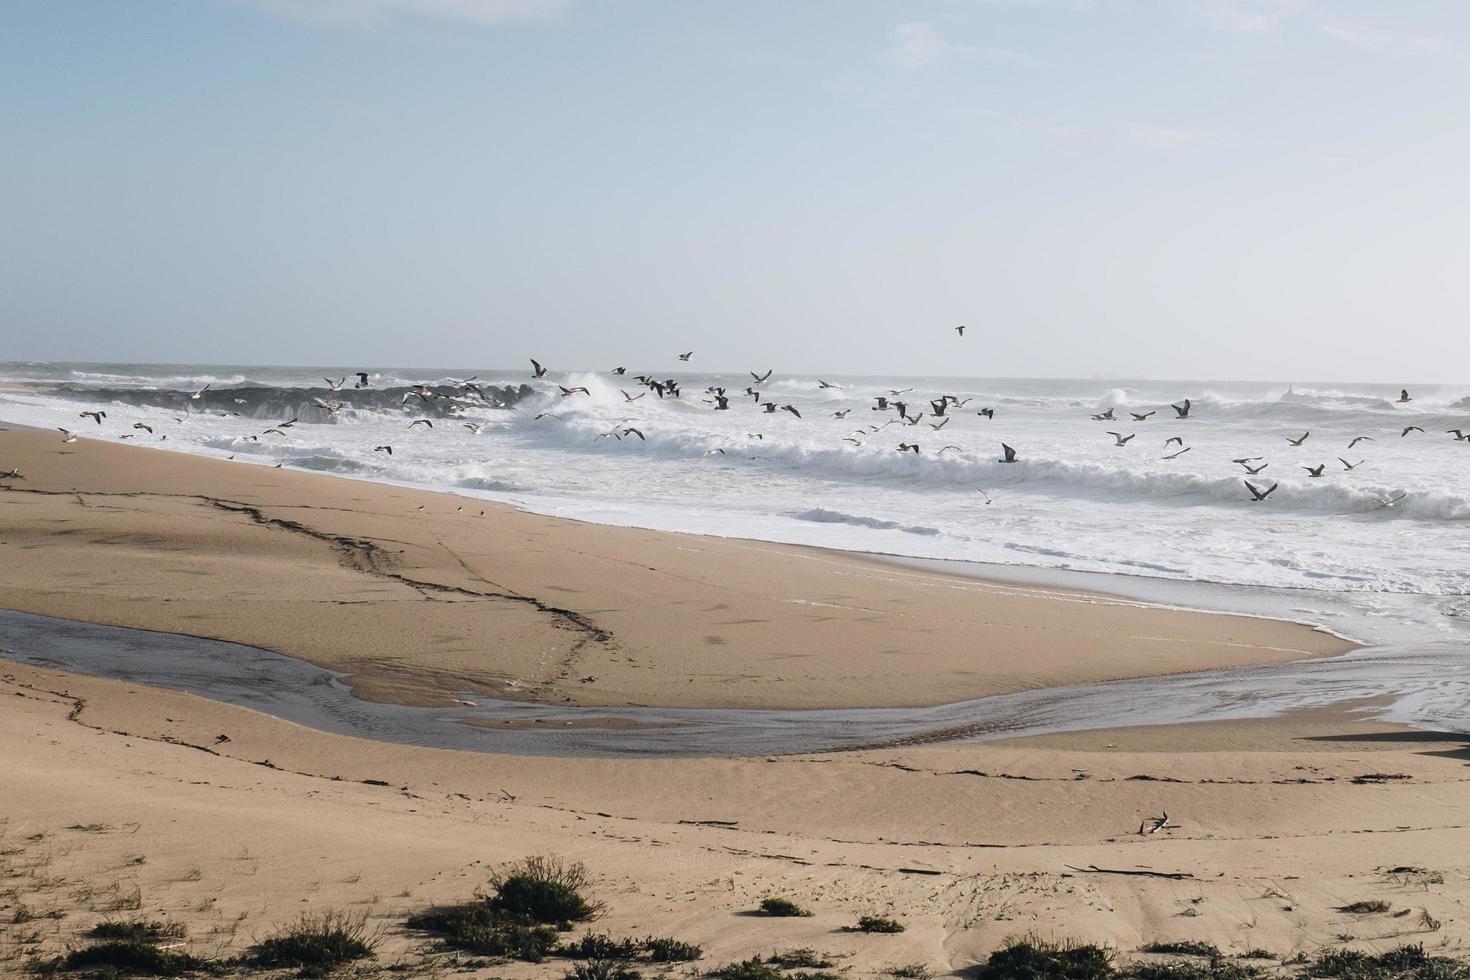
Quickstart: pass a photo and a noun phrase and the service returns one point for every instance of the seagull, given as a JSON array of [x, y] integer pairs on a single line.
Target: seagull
[[94, 416], [1298, 442], [67, 436], [1010, 454], [1359, 439], [1104, 416], [362, 380], [1350, 466], [287, 425], [1143, 417], [1259, 494], [547, 415], [1122, 440], [465, 382], [1389, 501], [715, 452], [882, 405], [632, 398], [630, 431], [565, 391], [196, 395], [1183, 409], [842, 414], [144, 427], [619, 370], [1248, 459], [383, 449], [239, 401], [1404, 396], [336, 385], [1408, 429], [826, 384], [904, 447], [988, 498], [987, 412], [243, 438], [936, 426], [269, 431], [331, 408], [12, 475], [901, 391], [685, 356], [791, 409], [1317, 471], [1459, 436], [421, 422], [1253, 472], [1172, 440], [960, 330], [770, 407], [947, 449], [475, 427], [536, 366], [1179, 453], [759, 378]]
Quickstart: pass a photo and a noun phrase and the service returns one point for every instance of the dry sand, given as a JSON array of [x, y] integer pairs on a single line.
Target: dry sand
[[124, 798]]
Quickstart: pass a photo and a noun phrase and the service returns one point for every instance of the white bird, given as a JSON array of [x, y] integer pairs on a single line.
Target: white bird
[[67, 436], [1121, 440], [196, 395], [476, 427], [632, 398], [1389, 501], [336, 385]]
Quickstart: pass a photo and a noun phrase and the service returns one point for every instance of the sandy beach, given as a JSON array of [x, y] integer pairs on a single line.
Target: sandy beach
[[117, 796]]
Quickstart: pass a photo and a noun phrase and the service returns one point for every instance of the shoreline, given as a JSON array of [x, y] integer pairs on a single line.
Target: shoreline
[[807, 628]]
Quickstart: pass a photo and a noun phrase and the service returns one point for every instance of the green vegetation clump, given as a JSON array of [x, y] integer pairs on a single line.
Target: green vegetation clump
[[781, 908], [752, 969], [594, 947], [1184, 947], [800, 959], [1365, 907], [137, 930], [1403, 963], [878, 923], [602, 970], [134, 957], [1189, 970], [1034, 958], [667, 950], [544, 890], [317, 944], [477, 928]]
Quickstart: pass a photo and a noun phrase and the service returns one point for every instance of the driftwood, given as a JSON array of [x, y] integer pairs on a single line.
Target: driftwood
[[1094, 869]]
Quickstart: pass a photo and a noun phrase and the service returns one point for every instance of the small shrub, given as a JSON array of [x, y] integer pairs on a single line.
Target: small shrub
[[137, 930], [317, 944], [1190, 970], [478, 928], [1033, 958], [544, 890], [781, 908], [594, 947], [910, 971], [666, 950], [800, 959], [752, 969], [1365, 907], [602, 970], [877, 923], [1258, 954], [134, 957], [1184, 947]]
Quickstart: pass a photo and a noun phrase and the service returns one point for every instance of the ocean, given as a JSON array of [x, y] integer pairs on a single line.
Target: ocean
[[1319, 549]]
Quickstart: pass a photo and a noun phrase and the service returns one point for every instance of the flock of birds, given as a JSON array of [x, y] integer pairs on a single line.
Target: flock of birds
[[941, 410]]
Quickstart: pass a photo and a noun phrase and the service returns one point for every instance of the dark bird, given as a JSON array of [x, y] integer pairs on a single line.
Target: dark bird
[[546, 415], [1459, 436], [1253, 472], [1183, 409], [721, 403], [1408, 429], [421, 422], [939, 405], [1259, 494], [1121, 440], [1315, 471], [536, 366], [685, 356], [1172, 440], [630, 431], [269, 431], [1350, 466], [960, 330], [1298, 442], [791, 409], [842, 414], [619, 370], [1010, 454], [987, 412], [287, 425], [94, 416], [770, 407], [383, 449], [1103, 416], [826, 384], [1141, 417], [905, 447], [1179, 453], [146, 428], [761, 378], [882, 405], [362, 380], [936, 426], [1404, 396], [1359, 439]]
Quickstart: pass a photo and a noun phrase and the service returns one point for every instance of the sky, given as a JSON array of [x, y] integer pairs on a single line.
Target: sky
[[1210, 189]]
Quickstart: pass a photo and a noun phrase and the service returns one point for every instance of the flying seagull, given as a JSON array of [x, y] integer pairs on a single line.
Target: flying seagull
[[67, 436], [1122, 440], [1298, 442], [791, 409], [904, 447], [826, 384], [1010, 454], [1252, 472], [630, 431], [1315, 471], [685, 356], [988, 498], [362, 380], [1172, 440], [1359, 439], [987, 412], [1389, 501], [540, 372], [421, 422], [1257, 493], [336, 385], [94, 416], [1183, 409], [619, 370], [1408, 429], [565, 391], [475, 427], [1143, 417], [1103, 416], [383, 449], [1179, 453], [1404, 396], [960, 330], [759, 378], [196, 395], [632, 398], [1459, 436], [1350, 466], [144, 427]]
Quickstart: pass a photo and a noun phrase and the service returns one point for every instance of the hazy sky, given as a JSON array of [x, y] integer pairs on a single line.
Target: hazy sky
[[1275, 189]]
